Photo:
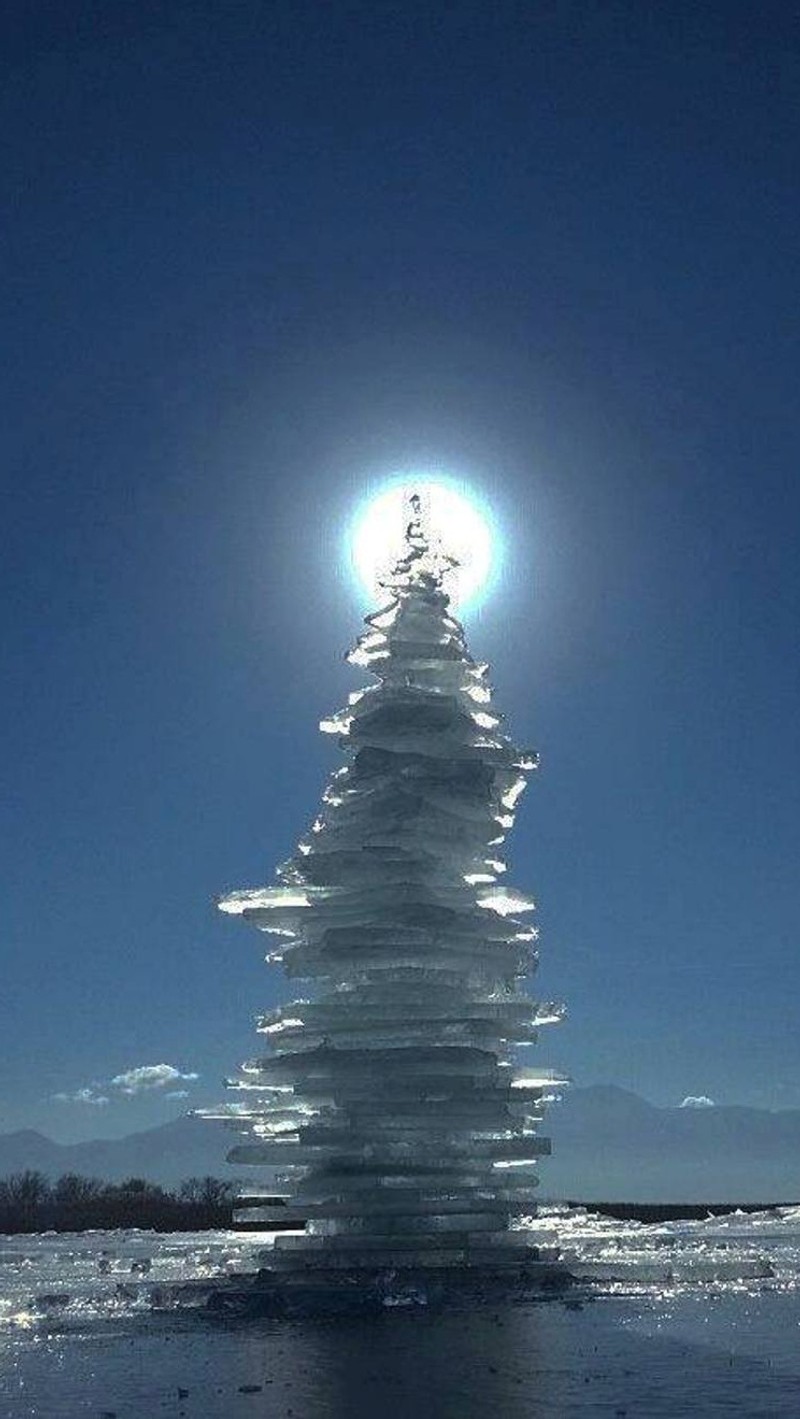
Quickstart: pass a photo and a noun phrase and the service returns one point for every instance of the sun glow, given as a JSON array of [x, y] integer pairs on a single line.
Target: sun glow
[[452, 516]]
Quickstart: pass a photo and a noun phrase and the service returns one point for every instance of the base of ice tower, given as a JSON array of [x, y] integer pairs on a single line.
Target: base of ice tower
[[499, 1251], [311, 1281]]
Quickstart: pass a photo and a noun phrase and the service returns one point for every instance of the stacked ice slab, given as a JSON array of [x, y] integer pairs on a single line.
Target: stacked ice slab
[[389, 1102]]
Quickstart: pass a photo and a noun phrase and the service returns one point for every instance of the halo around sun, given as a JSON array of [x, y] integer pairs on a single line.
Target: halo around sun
[[453, 517]]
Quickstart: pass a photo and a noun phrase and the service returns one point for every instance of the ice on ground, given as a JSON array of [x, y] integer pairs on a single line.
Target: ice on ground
[[92, 1276], [735, 1247], [84, 1332]]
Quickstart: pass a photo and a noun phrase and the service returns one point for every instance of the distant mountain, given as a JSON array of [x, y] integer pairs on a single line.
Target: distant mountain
[[187, 1147], [608, 1145]]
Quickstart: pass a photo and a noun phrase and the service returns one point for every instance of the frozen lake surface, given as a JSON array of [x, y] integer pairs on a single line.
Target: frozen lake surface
[[699, 1318]]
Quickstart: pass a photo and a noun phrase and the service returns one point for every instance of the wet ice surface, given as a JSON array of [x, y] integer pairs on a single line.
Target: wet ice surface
[[683, 1318]]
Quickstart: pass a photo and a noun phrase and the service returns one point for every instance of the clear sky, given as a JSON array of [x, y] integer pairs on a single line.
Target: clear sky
[[255, 258]]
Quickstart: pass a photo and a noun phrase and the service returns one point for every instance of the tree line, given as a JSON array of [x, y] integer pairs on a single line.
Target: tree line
[[29, 1202]]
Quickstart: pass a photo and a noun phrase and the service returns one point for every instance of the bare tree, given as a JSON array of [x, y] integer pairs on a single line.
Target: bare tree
[[72, 1190], [27, 1190]]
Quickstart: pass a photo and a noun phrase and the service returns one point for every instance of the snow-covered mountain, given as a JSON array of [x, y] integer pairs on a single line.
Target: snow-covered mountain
[[608, 1144]]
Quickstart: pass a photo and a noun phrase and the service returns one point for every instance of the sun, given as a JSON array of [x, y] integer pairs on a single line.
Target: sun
[[453, 516]]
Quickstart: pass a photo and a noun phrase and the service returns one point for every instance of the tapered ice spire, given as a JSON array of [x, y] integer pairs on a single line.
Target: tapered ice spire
[[425, 564], [389, 1102]]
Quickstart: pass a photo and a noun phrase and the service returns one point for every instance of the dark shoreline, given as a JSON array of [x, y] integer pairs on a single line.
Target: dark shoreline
[[30, 1203], [169, 1214]]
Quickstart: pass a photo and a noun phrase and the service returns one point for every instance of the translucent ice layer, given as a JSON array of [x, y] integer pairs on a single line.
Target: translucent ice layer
[[389, 1102]]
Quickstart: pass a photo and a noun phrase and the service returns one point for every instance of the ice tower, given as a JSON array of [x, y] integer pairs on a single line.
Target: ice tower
[[387, 1098]]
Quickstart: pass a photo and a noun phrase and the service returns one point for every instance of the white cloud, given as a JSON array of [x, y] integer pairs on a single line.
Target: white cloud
[[83, 1096], [146, 1077], [696, 1101]]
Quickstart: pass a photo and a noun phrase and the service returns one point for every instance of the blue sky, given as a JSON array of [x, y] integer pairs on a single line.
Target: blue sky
[[259, 258]]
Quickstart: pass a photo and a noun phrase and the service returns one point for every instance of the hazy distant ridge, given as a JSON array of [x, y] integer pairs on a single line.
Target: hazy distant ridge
[[608, 1144], [186, 1147]]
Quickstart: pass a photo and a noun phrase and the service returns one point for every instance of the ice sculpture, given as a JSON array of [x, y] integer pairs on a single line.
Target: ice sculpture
[[389, 1102]]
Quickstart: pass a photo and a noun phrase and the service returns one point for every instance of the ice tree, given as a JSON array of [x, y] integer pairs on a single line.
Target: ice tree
[[387, 1097]]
